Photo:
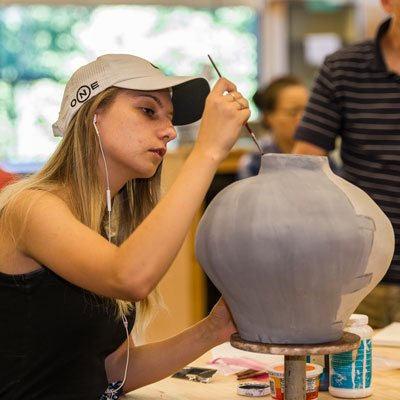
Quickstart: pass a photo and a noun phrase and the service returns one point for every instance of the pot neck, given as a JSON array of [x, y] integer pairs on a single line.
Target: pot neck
[[279, 161]]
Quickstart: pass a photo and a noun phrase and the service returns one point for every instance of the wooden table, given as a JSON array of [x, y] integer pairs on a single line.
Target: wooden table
[[386, 384]]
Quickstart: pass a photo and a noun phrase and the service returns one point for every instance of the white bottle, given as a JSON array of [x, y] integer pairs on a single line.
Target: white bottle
[[350, 374]]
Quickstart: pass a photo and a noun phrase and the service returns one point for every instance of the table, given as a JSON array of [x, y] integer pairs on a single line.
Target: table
[[386, 384]]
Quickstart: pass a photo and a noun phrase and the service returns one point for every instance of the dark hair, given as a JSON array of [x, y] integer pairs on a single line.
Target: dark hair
[[266, 98]]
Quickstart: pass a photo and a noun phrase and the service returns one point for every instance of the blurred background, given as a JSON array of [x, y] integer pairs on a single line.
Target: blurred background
[[251, 41]]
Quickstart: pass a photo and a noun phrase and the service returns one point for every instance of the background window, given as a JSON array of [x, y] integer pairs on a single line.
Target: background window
[[42, 45]]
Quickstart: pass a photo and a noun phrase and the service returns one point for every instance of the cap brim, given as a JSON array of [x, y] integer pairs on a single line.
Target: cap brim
[[189, 99], [188, 94]]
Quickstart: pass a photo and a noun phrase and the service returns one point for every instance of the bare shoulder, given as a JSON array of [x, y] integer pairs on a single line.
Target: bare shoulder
[[24, 206], [31, 204], [25, 200], [19, 209]]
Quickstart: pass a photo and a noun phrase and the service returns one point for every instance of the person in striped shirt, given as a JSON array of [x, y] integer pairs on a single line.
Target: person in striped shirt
[[356, 96]]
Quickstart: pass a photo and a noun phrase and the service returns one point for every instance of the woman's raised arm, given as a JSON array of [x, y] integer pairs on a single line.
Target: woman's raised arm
[[54, 238]]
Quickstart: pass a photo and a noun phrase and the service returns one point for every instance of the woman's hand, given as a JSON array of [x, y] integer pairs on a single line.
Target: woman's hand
[[225, 113], [220, 322], [146, 365]]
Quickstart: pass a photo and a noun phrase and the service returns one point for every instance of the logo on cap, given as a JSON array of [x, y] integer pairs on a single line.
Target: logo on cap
[[83, 93]]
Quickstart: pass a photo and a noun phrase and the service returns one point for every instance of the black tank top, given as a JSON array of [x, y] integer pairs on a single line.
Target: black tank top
[[54, 337]]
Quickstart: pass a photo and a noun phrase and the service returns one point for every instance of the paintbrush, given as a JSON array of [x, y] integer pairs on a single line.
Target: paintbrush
[[253, 136], [250, 373]]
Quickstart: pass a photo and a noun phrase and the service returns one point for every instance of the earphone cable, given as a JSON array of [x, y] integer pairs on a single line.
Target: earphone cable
[[124, 320]]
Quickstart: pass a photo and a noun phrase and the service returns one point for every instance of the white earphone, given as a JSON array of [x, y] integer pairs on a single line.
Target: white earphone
[[108, 192], [105, 167]]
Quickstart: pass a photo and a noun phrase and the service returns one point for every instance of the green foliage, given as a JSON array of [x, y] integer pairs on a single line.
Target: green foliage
[[41, 45], [37, 39]]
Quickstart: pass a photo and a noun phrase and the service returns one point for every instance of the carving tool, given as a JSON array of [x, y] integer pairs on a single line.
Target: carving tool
[[253, 136], [251, 373]]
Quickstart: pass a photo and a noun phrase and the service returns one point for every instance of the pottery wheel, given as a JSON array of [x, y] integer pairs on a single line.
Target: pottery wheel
[[295, 358]]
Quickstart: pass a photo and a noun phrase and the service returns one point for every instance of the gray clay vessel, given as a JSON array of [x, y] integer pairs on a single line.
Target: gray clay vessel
[[294, 250]]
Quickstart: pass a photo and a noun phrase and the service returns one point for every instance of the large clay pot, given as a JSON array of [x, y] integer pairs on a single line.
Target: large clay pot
[[294, 250]]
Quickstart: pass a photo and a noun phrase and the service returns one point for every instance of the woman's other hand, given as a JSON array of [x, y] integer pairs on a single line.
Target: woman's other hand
[[220, 322]]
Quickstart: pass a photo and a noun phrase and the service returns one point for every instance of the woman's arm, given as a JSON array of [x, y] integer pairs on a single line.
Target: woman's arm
[[54, 238], [152, 362]]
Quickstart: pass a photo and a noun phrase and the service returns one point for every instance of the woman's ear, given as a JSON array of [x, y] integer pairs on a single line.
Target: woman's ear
[[387, 5]]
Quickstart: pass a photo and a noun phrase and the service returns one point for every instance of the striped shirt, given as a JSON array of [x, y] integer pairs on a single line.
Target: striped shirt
[[356, 97]]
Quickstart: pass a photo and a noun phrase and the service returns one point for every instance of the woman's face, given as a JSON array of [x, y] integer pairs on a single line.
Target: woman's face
[[288, 111], [134, 130]]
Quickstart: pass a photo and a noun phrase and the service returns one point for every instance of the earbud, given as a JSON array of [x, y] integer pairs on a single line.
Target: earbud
[[105, 166], [124, 320]]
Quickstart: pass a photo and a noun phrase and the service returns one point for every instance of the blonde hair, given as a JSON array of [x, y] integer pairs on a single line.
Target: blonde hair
[[74, 164]]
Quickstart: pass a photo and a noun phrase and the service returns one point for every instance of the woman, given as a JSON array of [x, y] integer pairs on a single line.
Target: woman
[[281, 105], [84, 239]]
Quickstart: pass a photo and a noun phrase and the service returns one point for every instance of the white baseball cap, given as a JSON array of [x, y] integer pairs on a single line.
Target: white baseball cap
[[131, 72]]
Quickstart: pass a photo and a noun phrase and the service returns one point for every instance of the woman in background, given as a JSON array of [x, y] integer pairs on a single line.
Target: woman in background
[[281, 105]]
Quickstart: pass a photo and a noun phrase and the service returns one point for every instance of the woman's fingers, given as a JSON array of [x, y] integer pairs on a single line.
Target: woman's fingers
[[239, 100], [223, 98], [228, 90], [225, 113], [222, 86]]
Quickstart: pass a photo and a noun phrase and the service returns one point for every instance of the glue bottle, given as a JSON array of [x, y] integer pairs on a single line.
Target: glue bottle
[[351, 372]]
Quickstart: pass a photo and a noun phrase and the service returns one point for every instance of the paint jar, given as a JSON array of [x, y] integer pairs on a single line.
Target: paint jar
[[351, 372], [277, 381], [253, 389]]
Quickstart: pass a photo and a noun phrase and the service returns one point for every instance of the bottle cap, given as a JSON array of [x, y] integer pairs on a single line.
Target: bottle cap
[[357, 320]]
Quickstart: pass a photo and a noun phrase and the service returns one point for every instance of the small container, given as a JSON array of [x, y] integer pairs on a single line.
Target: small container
[[351, 372], [253, 389], [277, 380]]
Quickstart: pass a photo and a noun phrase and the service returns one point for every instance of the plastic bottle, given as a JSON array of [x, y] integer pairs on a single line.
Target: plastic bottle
[[350, 374]]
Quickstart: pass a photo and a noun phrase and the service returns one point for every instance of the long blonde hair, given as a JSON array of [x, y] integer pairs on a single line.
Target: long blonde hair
[[74, 164]]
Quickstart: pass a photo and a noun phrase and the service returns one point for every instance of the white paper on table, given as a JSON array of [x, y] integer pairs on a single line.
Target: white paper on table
[[383, 363], [225, 350], [388, 336]]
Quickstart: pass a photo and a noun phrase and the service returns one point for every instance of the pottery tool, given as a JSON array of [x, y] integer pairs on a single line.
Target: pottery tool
[[251, 373], [253, 136]]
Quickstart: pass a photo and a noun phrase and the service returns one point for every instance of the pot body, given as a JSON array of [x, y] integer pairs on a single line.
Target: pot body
[[294, 250]]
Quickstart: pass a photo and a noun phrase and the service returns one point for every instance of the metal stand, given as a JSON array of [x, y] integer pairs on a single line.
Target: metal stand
[[295, 358]]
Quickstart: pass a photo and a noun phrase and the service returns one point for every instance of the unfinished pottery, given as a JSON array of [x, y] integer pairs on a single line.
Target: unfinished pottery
[[294, 250]]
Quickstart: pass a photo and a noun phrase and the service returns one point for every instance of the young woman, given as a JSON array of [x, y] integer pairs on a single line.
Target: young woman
[[85, 238]]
